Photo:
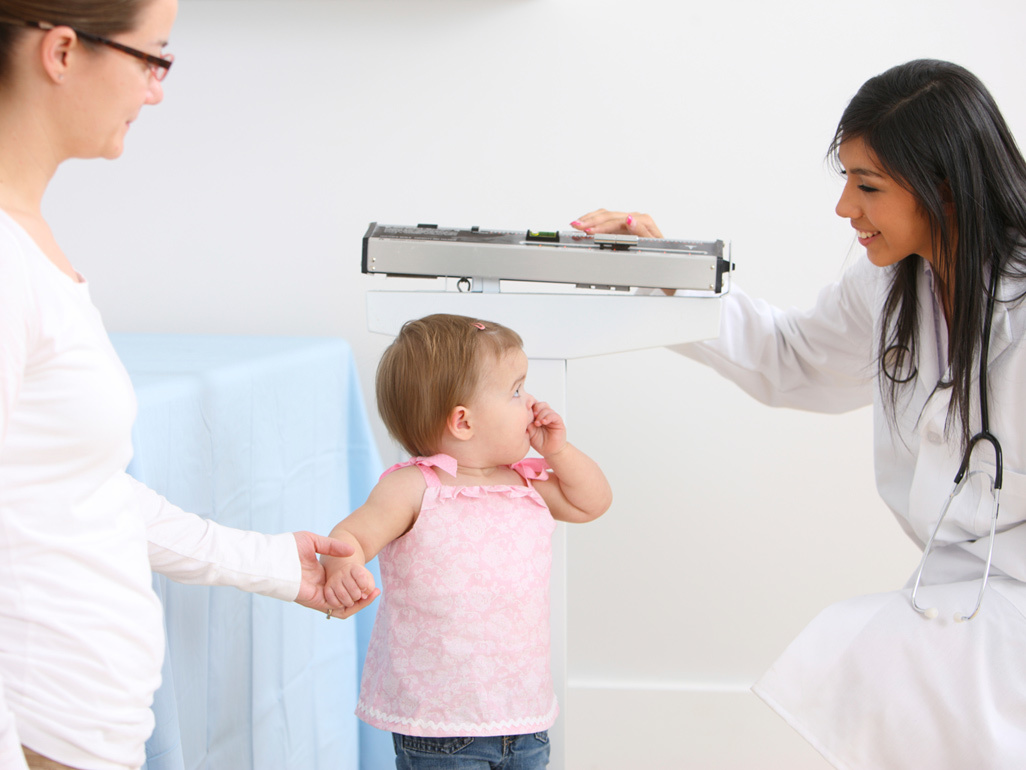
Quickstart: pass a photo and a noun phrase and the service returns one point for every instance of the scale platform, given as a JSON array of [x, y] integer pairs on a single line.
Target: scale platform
[[480, 258]]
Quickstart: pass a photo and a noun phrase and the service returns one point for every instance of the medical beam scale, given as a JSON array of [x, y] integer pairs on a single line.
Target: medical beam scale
[[479, 259]]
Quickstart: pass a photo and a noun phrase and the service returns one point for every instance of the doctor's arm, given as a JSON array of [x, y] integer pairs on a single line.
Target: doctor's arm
[[822, 359], [819, 360]]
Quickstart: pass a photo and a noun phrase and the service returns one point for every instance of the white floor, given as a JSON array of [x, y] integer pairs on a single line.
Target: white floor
[[673, 730]]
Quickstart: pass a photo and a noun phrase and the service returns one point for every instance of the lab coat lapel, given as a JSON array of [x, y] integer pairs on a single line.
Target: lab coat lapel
[[933, 356], [1001, 332]]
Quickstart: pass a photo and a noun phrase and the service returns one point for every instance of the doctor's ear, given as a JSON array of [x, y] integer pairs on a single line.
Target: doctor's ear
[[458, 425], [947, 199]]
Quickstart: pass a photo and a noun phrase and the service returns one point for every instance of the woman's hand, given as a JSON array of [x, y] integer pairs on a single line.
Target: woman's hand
[[312, 580], [620, 222]]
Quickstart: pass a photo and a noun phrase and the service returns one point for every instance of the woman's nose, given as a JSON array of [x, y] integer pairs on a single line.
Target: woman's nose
[[846, 207], [155, 93]]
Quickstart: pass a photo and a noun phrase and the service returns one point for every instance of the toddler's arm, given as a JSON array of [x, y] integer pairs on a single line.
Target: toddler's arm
[[389, 512], [578, 490]]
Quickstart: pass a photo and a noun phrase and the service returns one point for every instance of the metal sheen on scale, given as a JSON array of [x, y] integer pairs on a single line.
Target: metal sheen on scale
[[479, 259]]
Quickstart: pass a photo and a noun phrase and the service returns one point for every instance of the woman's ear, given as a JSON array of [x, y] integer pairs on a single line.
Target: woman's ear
[[59, 46], [459, 424]]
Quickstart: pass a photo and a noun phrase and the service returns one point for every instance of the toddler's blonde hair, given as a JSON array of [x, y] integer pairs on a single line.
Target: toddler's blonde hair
[[433, 366]]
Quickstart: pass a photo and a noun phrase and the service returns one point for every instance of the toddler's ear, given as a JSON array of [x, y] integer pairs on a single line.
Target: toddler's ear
[[459, 424]]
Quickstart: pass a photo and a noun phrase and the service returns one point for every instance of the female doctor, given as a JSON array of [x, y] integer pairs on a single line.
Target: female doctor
[[930, 330]]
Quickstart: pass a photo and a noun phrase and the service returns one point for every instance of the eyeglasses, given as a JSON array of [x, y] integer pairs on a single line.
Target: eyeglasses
[[159, 66]]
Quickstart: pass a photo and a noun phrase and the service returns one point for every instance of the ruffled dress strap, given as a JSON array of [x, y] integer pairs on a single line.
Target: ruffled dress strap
[[443, 461], [532, 469]]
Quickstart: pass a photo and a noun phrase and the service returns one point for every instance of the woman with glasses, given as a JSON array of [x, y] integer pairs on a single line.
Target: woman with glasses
[[81, 637], [930, 330]]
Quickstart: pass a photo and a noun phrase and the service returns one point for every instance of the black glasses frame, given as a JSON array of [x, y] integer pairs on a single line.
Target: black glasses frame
[[158, 66]]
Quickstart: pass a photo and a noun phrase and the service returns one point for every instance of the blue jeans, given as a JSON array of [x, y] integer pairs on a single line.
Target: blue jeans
[[502, 752]]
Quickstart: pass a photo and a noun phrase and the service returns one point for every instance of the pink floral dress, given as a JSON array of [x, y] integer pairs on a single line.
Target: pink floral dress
[[460, 646]]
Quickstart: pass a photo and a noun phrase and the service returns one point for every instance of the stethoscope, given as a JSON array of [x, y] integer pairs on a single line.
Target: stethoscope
[[962, 476]]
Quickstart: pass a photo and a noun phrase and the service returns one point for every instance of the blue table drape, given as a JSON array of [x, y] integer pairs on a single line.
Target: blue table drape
[[269, 434]]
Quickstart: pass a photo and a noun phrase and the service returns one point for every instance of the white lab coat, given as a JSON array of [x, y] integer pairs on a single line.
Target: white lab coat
[[871, 683]]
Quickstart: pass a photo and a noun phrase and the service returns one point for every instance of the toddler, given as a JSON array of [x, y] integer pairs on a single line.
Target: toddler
[[458, 663]]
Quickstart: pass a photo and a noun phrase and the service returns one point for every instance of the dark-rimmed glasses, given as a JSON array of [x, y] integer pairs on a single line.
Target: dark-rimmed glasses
[[159, 66]]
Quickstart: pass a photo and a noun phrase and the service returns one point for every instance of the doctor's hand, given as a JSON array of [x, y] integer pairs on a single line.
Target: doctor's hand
[[619, 222], [312, 579]]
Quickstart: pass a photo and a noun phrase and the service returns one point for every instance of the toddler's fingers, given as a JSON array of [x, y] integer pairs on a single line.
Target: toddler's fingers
[[350, 593], [544, 414], [365, 581], [350, 611], [334, 598]]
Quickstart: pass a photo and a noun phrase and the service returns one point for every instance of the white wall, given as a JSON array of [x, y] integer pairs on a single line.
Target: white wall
[[289, 125]]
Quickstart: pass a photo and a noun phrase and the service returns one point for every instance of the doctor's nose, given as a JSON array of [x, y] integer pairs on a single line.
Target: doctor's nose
[[847, 208]]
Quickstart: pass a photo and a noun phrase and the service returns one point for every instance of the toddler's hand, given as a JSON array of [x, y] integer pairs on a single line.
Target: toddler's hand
[[547, 431], [348, 584]]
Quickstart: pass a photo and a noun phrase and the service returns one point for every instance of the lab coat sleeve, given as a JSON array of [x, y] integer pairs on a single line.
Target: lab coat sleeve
[[820, 360], [191, 549]]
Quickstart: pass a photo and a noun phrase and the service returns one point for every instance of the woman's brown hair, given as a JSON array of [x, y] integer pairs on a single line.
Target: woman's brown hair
[[98, 17]]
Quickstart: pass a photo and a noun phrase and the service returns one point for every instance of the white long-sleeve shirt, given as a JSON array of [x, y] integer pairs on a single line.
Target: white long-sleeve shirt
[[81, 638]]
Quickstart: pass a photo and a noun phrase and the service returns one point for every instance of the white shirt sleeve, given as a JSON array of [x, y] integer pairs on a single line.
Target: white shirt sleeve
[[821, 360], [191, 549], [14, 315], [11, 755]]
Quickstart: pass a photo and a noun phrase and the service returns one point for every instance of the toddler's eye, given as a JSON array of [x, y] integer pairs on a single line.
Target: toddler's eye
[[516, 393]]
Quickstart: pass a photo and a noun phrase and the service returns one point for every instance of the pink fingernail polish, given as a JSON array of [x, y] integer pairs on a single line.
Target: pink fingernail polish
[[630, 221], [575, 223]]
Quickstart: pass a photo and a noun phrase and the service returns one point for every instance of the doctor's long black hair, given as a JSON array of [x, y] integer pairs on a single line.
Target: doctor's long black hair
[[935, 129]]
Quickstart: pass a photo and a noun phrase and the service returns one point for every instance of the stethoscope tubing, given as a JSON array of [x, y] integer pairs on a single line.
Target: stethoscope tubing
[[964, 474]]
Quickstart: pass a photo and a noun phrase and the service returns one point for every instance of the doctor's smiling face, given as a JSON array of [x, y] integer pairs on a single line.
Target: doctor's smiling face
[[889, 220]]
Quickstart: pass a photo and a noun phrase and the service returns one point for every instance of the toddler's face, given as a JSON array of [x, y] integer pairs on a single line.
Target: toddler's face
[[503, 409]]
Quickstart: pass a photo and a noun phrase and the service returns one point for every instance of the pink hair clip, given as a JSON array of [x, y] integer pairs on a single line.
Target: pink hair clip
[[479, 325]]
